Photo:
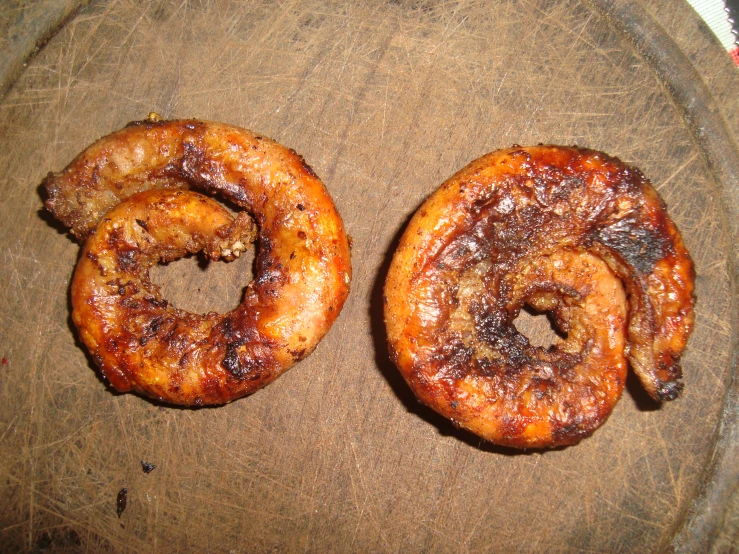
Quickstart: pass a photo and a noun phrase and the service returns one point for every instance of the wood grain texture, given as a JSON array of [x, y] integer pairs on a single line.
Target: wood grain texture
[[384, 100]]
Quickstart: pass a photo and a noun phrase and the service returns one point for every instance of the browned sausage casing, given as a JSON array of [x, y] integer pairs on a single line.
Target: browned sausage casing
[[139, 341], [568, 231]]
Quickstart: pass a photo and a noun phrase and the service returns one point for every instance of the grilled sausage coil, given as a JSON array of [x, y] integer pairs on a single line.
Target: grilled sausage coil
[[568, 231], [128, 193]]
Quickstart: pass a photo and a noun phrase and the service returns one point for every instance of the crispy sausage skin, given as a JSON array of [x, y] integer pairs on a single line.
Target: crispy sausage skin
[[568, 231], [129, 188]]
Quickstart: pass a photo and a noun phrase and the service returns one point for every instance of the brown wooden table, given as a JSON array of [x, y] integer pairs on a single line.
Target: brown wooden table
[[384, 100]]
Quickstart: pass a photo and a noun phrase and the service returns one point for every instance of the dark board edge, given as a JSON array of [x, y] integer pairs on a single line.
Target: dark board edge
[[703, 520], [25, 28]]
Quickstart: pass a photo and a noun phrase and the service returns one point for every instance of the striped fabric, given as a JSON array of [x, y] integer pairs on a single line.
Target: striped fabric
[[722, 20]]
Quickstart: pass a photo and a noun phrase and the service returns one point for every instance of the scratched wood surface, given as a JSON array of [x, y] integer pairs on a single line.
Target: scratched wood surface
[[384, 100]]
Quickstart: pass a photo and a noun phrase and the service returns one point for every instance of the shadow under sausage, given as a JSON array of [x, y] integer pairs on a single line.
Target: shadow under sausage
[[644, 402], [46, 216]]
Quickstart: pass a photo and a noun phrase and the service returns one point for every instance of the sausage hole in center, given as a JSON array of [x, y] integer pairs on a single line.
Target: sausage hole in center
[[199, 286], [538, 327]]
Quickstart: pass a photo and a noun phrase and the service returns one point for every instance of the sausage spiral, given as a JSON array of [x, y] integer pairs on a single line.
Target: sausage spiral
[[129, 184], [568, 231]]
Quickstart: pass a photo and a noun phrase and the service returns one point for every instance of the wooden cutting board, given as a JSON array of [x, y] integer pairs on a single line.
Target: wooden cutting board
[[384, 100]]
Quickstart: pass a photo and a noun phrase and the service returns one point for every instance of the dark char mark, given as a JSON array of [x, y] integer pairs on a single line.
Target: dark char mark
[[455, 360], [232, 362], [641, 247], [126, 260], [496, 329], [669, 390]]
